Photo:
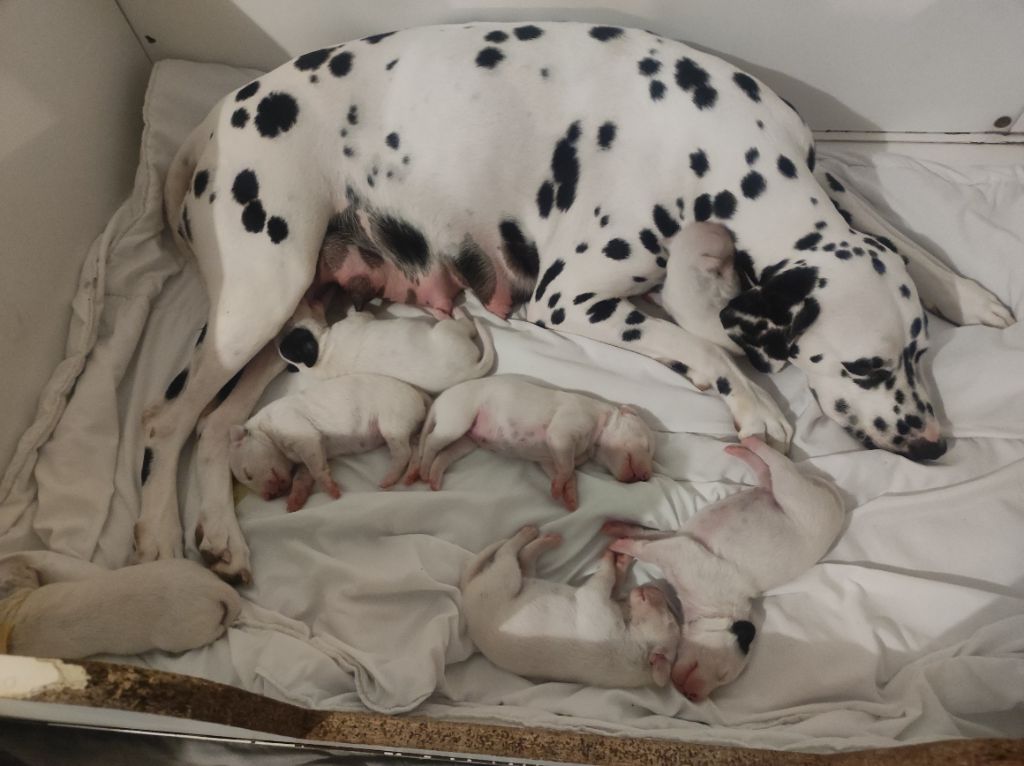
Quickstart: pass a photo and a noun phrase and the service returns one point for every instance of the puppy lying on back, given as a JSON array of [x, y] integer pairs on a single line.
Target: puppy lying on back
[[432, 355], [729, 553], [558, 429], [551, 631], [340, 416]]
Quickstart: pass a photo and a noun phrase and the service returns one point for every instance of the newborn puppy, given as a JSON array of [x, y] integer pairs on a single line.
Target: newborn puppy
[[558, 429], [432, 355], [173, 605], [340, 416], [700, 279], [729, 553], [552, 631]]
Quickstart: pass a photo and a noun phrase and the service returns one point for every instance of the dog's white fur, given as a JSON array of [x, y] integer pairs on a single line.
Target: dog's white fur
[[732, 551], [546, 630], [514, 416], [431, 354], [340, 416], [173, 605]]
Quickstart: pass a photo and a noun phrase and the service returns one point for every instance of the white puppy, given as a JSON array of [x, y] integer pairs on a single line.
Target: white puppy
[[558, 429], [173, 605], [433, 355], [340, 416], [700, 279], [729, 553], [551, 631]]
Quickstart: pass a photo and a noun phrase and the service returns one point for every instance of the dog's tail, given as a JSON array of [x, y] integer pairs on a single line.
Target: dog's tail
[[178, 181], [863, 216]]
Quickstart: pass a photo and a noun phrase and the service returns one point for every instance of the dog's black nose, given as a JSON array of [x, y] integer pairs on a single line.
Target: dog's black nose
[[300, 347], [922, 449]]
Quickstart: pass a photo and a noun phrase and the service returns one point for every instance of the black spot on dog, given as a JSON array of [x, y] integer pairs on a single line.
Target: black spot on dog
[[604, 34], [176, 385], [752, 185], [550, 273], [725, 204], [878, 265], [810, 159], [808, 241], [639, 279], [601, 310], [605, 135], [905, 291], [679, 368], [604, 220], [667, 225], [661, 262], [300, 346], [254, 217], [147, 463], [520, 254], [752, 155], [582, 298], [312, 60], [341, 64], [690, 76], [202, 335], [649, 240], [558, 316], [649, 66], [617, 249], [391, 64], [748, 85], [880, 424], [402, 240], [248, 91], [657, 90], [392, 140], [374, 39], [528, 32], [545, 199], [540, 323], [497, 36], [276, 114], [353, 115], [199, 182], [489, 58], [843, 254], [581, 247], [699, 163], [915, 327], [239, 118], [476, 270], [702, 207], [566, 168], [636, 317], [723, 386], [833, 184], [631, 335], [841, 406], [816, 358], [348, 151], [277, 229], [554, 299], [786, 166]]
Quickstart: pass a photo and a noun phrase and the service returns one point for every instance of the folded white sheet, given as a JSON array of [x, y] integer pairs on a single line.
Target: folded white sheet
[[911, 630]]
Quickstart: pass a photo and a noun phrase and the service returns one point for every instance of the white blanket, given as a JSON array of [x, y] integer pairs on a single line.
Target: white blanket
[[912, 628]]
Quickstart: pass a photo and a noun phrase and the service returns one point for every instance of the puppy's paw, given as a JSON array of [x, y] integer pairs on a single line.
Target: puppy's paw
[[756, 414]]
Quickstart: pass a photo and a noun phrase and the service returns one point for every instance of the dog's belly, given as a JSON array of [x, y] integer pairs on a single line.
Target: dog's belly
[[497, 155]]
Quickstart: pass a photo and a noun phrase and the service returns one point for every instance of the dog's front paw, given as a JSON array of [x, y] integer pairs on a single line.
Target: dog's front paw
[[157, 541], [756, 414], [223, 548], [976, 305]]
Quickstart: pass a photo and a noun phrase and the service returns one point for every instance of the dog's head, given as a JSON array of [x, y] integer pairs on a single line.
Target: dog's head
[[258, 464], [713, 651], [652, 626], [626, 446], [858, 333]]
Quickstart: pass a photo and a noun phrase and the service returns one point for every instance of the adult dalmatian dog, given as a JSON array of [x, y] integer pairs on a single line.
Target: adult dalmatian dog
[[551, 164]]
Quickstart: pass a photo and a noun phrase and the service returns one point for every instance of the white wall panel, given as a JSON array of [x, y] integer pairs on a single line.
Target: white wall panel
[[893, 65], [72, 77]]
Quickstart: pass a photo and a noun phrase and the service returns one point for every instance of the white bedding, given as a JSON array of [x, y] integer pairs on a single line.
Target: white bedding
[[912, 628]]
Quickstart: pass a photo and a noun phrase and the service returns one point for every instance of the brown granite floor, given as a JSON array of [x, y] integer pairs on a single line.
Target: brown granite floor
[[136, 689]]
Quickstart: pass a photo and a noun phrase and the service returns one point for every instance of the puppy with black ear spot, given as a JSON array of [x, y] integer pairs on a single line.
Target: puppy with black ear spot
[[729, 553], [552, 631]]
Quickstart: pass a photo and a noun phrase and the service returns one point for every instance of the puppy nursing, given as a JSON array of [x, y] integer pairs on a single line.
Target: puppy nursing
[[558, 429], [729, 553], [547, 630], [341, 416]]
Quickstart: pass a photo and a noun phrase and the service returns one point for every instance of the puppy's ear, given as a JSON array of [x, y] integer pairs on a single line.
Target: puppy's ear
[[299, 346], [661, 668], [237, 434], [767, 319], [744, 631]]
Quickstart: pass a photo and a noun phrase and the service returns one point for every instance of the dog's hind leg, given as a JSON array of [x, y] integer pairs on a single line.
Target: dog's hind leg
[[619, 322], [942, 290]]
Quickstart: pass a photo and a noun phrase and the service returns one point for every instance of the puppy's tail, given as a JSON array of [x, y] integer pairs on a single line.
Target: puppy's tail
[[178, 181]]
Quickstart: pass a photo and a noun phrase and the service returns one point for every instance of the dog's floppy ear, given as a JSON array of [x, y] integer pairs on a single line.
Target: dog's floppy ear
[[744, 631], [299, 346], [237, 434], [660, 668], [766, 319]]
